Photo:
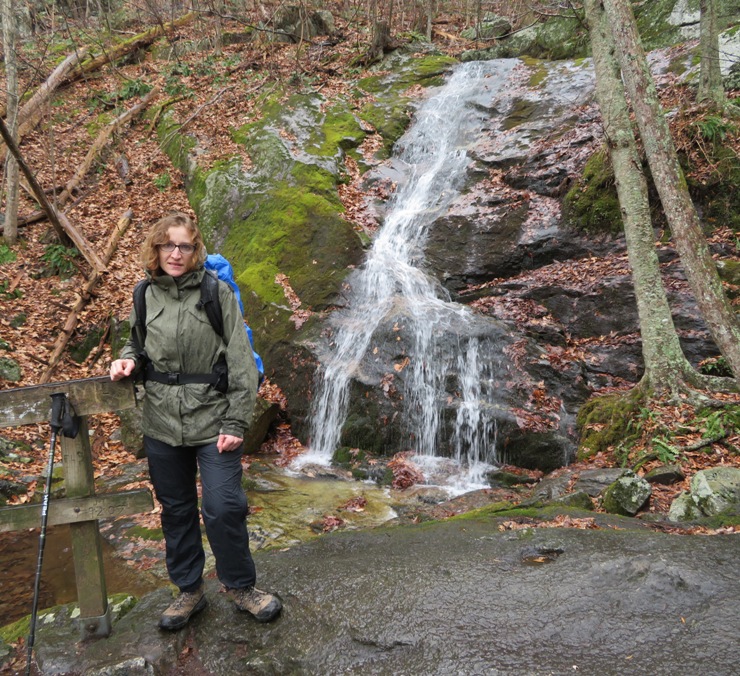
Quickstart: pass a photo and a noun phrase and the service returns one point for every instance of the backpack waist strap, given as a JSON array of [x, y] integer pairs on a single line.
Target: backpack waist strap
[[180, 378]]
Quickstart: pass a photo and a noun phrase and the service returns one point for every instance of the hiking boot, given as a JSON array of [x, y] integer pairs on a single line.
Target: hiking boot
[[182, 609], [261, 605]]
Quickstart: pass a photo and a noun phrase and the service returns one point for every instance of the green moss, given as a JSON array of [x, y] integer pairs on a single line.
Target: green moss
[[10, 633], [539, 71], [522, 110], [145, 533], [563, 37], [652, 23], [390, 112], [341, 130], [607, 421], [592, 203], [97, 123], [80, 350], [173, 143]]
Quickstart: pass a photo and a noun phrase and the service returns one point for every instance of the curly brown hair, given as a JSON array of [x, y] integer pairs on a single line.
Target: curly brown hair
[[158, 235]]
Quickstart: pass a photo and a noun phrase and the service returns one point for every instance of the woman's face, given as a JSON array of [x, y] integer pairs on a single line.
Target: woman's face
[[177, 262]]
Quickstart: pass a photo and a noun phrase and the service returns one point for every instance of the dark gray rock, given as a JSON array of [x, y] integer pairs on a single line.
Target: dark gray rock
[[653, 603], [579, 499], [665, 474], [595, 481], [551, 488]]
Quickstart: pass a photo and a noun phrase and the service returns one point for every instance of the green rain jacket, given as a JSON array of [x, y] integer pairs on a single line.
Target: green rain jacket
[[180, 339]]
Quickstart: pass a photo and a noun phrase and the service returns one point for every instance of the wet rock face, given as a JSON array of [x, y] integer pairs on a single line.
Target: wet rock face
[[344, 613], [504, 247]]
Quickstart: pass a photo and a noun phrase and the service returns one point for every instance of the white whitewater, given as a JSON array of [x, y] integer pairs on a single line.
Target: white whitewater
[[434, 157]]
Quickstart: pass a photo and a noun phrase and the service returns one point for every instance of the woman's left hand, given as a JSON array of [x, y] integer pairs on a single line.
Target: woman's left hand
[[227, 442]]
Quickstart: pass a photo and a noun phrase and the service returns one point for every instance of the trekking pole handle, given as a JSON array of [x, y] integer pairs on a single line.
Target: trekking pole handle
[[58, 407]]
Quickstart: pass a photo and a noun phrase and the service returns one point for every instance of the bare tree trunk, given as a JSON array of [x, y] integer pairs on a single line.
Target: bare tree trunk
[[666, 367], [710, 74], [671, 185], [10, 34]]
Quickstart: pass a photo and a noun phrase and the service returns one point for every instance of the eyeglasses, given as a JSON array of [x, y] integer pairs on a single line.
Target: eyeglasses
[[185, 249]]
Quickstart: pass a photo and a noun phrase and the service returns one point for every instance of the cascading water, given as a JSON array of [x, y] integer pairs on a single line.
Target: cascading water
[[434, 157]]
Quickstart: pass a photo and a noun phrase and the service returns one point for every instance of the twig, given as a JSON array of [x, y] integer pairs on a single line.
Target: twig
[[87, 293], [704, 442]]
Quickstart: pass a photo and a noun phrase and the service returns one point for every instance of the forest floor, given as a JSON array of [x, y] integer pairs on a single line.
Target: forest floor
[[39, 282]]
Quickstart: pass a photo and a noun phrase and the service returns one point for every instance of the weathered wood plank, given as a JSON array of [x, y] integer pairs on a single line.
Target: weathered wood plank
[[87, 552], [28, 405], [75, 510]]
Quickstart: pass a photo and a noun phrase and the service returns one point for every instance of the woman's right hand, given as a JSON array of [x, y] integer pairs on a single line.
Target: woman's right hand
[[121, 368]]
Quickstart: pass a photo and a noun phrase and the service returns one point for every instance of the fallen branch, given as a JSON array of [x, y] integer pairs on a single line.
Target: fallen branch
[[129, 46], [32, 112], [64, 229], [72, 318], [44, 92], [99, 144], [35, 217], [73, 68], [704, 442]]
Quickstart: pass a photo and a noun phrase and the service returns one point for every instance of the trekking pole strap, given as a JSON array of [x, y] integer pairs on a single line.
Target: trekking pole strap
[[63, 415]]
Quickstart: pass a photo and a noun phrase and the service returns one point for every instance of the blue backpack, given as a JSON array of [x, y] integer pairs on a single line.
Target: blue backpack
[[217, 267], [225, 272]]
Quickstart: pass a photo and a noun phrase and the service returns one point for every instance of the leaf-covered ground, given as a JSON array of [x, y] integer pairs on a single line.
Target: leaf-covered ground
[[39, 282]]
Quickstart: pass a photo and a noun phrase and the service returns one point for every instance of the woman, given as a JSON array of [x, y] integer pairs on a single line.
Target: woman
[[195, 426]]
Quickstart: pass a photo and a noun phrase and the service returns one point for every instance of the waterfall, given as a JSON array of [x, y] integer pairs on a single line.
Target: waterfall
[[433, 155]]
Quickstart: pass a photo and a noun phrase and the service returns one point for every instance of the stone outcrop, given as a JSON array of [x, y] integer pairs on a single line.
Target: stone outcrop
[[713, 492], [602, 586]]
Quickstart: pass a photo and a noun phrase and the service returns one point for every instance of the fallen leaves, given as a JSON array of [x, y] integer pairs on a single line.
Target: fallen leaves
[[357, 504], [405, 472], [330, 523], [560, 521]]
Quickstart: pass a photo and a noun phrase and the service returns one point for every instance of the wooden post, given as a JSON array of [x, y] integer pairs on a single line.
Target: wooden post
[[81, 508]]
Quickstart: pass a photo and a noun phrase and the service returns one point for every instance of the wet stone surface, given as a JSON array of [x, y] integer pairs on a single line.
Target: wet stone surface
[[455, 597]]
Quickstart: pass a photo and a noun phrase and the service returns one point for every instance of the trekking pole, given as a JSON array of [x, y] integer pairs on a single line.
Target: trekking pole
[[58, 406]]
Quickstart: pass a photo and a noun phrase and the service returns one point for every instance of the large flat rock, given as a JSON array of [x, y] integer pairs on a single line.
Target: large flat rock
[[456, 597]]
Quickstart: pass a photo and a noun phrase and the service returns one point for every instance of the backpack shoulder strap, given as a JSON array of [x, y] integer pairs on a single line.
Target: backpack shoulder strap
[[138, 330], [210, 301]]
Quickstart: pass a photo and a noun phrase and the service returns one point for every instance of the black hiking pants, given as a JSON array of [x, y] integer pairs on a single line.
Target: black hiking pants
[[173, 470]]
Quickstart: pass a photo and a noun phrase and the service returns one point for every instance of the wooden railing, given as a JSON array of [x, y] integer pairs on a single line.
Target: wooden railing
[[81, 507]]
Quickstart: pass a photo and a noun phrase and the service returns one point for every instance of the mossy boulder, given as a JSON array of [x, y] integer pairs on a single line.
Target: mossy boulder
[[563, 37], [714, 492], [10, 370], [607, 421], [592, 203], [491, 26], [627, 495], [664, 22]]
